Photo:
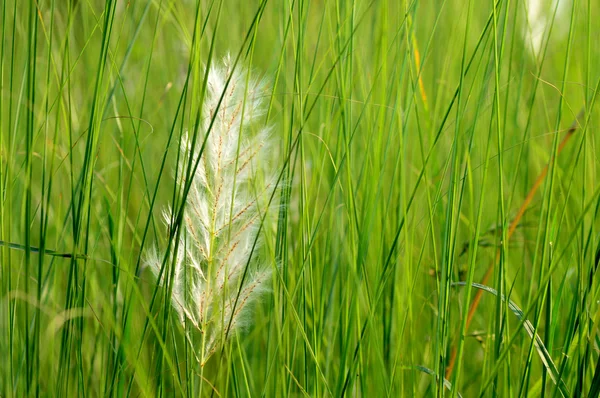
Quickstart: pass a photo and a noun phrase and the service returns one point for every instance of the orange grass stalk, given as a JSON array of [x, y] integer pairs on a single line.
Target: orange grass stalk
[[511, 230]]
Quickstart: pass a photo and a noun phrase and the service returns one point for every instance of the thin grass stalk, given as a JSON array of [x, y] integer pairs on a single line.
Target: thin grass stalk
[[513, 226]]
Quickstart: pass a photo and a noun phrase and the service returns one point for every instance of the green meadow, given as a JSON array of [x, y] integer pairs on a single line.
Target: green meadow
[[431, 226]]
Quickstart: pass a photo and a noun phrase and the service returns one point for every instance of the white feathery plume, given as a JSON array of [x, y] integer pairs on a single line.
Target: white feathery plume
[[539, 15], [226, 203]]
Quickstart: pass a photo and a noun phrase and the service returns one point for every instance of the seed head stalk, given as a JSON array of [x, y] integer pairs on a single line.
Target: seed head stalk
[[226, 201]]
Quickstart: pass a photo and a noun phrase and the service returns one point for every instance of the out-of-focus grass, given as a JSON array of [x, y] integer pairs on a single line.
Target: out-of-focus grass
[[408, 134]]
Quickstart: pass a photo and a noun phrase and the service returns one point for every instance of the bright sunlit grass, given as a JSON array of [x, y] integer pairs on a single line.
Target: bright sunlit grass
[[362, 198]]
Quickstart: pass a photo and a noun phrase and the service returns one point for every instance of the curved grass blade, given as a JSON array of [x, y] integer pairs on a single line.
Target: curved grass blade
[[538, 343], [430, 372]]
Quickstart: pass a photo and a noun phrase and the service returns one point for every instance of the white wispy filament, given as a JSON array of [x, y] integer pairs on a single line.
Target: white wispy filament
[[211, 288], [539, 16]]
